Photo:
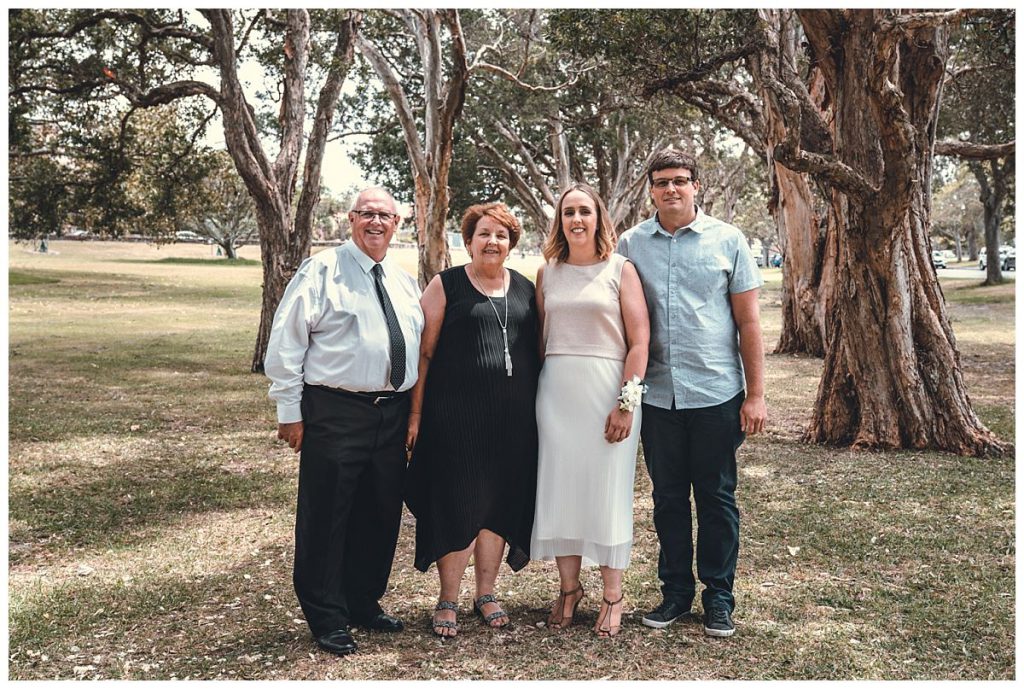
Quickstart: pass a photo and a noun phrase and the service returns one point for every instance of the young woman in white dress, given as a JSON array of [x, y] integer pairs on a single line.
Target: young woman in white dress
[[594, 333]]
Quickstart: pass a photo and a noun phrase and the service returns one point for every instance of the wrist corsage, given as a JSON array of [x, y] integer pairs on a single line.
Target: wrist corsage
[[632, 392]]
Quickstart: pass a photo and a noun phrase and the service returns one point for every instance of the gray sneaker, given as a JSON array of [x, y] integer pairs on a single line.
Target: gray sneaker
[[718, 622], [665, 614]]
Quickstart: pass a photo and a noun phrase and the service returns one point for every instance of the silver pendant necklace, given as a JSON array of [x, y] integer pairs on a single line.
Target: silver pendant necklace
[[504, 326]]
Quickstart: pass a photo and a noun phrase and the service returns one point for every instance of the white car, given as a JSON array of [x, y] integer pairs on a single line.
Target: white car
[[1007, 258], [938, 259]]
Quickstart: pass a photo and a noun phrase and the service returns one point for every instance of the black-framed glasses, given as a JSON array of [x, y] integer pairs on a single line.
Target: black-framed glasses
[[677, 181], [370, 215]]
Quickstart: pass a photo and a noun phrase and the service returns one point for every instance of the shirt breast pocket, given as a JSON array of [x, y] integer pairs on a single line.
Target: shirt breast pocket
[[711, 276]]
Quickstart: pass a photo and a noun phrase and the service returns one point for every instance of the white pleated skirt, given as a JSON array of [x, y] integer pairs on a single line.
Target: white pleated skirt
[[584, 483]]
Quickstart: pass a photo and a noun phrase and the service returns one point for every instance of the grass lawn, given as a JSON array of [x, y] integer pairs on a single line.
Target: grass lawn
[[151, 512]]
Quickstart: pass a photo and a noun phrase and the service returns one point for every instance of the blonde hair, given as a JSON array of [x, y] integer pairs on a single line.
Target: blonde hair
[[556, 247]]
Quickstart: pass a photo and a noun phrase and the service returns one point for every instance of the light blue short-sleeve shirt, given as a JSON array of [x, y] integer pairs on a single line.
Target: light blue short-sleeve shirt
[[687, 278]]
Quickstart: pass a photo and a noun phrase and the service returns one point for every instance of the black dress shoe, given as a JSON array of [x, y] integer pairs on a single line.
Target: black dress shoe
[[339, 642], [381, 622]]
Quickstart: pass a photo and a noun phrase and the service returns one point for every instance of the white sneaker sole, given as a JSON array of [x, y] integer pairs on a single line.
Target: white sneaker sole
[[721, 633], [661, 625]]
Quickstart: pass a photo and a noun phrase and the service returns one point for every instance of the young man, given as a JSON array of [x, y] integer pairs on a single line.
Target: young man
[[343, 353], [701, 282]]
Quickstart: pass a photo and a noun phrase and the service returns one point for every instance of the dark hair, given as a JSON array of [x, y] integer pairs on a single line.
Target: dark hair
[[556, 247], [498, 211], [668, 158]]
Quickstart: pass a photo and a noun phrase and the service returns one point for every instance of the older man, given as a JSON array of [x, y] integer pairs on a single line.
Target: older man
[[706, 386], [343, 353]]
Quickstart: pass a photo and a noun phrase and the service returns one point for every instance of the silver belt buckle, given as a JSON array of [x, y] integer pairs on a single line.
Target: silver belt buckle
[[381, 398]]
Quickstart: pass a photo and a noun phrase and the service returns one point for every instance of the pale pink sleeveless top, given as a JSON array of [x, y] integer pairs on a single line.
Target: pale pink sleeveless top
[[582, 315]]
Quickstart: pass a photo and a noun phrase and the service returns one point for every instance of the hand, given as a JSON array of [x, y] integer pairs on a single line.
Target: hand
[[411, 434], [292, 433], [618, 425], [753, 415]]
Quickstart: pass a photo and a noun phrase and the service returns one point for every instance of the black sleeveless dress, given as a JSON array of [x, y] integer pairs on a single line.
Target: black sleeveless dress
[[475, 462]]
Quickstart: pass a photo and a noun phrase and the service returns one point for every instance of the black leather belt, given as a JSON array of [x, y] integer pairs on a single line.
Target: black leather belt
[[377, 399]]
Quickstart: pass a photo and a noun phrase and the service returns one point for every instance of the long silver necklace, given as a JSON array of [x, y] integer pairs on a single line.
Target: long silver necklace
[[504, 326]]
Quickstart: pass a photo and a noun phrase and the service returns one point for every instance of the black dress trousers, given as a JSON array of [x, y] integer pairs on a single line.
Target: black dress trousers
[[349, 510]]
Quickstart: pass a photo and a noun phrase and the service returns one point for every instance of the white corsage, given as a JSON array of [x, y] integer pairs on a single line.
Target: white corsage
[[632, 393]]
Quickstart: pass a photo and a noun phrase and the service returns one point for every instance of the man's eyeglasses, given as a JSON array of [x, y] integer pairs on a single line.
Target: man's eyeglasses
[[678, 181], [370, 215]]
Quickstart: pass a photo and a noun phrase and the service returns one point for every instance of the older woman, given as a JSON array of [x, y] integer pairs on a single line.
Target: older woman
[[595, 335], [472, 478]]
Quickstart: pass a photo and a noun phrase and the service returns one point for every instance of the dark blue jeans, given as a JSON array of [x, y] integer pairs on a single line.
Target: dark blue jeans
[[695, 448]]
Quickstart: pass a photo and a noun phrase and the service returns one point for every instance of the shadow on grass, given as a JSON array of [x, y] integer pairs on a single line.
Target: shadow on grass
[[19, 277], [158, 628], [106, 506], [974, 293], [80, 286]]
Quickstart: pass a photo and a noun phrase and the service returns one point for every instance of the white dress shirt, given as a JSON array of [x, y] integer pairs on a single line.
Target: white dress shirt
[[330, 330]]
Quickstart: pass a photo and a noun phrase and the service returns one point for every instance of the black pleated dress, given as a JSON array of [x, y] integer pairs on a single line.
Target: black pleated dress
[[475, 462]]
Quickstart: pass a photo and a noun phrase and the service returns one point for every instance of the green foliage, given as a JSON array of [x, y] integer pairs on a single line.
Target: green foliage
[[978, 103], [381, 153], [79, 155], [648, 46]]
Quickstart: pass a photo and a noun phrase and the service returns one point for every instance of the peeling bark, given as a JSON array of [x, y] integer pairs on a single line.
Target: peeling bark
[[892, 375]]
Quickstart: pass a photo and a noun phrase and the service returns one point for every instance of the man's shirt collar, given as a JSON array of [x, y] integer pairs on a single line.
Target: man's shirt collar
[[362, 260], [697, 224]]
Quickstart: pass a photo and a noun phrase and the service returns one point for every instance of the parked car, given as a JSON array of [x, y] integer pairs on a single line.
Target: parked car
[[759, 259], [938, 260], [1007, 258], [187, 236]]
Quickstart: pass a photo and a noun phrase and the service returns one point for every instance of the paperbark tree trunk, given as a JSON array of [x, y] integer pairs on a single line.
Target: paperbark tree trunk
[[892, 375], [443, 96], [806, 278]]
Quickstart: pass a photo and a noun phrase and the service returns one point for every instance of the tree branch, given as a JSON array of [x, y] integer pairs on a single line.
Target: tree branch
[[533, 88], [402, 106], [700, 72], [157, 30], [293, 106], [973, 151], [341, 61]]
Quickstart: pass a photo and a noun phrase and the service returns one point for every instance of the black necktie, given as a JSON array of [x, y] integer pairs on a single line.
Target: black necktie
[[394, 332]]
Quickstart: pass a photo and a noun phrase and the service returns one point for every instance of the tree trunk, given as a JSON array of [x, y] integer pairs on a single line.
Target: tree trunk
[[804, 296], [431, 215], [230, 251], [892, 376], [285, 236], [282, 250], [431, 157], [972, 242], [992, 193], [803, 324]]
